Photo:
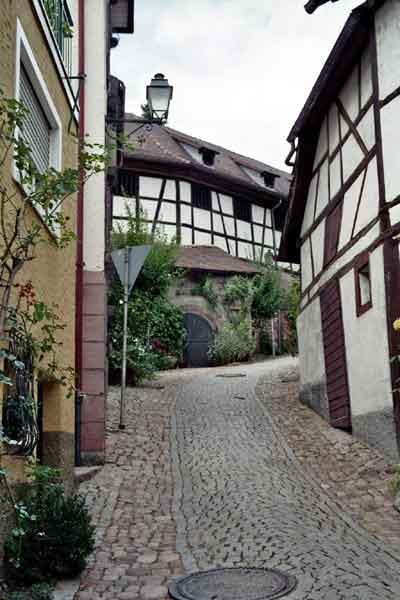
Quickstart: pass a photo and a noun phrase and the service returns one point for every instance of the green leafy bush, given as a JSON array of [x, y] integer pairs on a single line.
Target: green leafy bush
[[394, 484], [239, 289], [269, 296], [206, 288], [234, 342], [53, 535], [155, 336]]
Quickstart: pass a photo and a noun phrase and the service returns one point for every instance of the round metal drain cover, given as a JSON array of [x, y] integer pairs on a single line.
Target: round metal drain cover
[[233, 584]]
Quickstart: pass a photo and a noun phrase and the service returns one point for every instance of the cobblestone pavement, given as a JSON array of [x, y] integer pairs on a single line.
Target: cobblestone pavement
[[130, 500], [244, 500], [352, 473], [203, 477]]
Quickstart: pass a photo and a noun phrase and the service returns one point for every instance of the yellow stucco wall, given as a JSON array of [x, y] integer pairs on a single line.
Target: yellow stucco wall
[[52, 272]]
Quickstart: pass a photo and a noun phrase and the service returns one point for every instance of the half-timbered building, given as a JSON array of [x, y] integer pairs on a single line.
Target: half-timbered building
[[343, 227], [200, 193]]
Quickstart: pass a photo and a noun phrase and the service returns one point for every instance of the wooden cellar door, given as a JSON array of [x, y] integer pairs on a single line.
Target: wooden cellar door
[[335, 357]]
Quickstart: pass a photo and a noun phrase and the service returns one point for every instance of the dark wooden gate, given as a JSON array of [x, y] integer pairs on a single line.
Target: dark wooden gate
[[199, 335], [335, 357]]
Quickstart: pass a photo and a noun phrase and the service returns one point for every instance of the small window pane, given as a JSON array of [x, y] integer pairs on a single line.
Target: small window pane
[[201, 197], [242, 209], [365, 285]]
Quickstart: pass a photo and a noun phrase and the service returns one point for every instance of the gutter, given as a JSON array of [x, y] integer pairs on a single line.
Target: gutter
[[79, 234]]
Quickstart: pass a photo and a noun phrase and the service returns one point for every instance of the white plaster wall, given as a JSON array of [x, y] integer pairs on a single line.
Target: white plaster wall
[[387, 23], [232, 247], [149, 208], [358, 247], [167, 212], [169, 231], [310, 206], [202, 239], [390, 119], [202, 218], [366, 77], [245, 250], [366, 129], [150, 186], [186, 214], [322, 145], [333, 128], [350, 204], [352, 155], [170, 190], [96, 106], [369, 206], [185, 191], [258, 234], [226, 204], [186, 236], [218, 225], [349, 95], [220, 242], [229, 225], [335, 175], [257, 213], [323, 188], [306, 271], [243, 230], [367, 351], [317, 240], [268, 238], [311, 348]]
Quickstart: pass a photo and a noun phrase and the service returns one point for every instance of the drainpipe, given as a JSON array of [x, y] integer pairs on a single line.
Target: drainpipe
[[79, 234], [273, 223]]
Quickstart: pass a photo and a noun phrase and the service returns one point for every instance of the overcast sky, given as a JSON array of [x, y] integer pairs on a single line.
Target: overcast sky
[[241, 69]]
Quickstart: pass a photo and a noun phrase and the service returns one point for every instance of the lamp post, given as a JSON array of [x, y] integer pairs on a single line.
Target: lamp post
[[159, 95]]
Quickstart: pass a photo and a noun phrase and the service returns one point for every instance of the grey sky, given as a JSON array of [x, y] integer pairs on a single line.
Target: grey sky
[[241, 69]]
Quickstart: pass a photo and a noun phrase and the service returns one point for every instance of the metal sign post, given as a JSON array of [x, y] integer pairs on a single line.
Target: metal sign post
[[122, 409], [128, 263]]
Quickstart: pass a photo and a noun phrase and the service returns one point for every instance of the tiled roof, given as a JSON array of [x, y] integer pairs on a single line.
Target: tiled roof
[[213, 259], [166, 144]]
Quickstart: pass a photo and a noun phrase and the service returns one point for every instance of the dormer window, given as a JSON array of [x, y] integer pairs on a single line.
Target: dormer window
[[269, 179], [208, 156]]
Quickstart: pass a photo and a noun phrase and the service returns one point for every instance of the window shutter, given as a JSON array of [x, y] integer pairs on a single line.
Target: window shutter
[[36, 128]]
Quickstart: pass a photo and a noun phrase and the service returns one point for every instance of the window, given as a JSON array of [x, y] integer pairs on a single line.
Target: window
[[201, 197], [42, 127], [127, 184], [269, 179], [36, 129], [208, 156], [363, 286], [242, 209]]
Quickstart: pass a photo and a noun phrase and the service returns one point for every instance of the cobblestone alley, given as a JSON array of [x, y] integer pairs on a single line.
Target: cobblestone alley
[[230, 470]]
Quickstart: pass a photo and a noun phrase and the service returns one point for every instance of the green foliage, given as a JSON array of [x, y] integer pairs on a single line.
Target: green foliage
[[239, 289], [155, 326], [293, 308], [155, 335], [234, 342], [38, 591], [206, 288], [159, 271], [53, 534], [269, 296]]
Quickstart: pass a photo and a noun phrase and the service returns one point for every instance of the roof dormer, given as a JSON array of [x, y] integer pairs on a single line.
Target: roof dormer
[[269, 179], [208, 155]]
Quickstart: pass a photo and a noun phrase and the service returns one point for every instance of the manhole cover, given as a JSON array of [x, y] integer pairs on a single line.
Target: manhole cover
[[233, 584], [230, 375]]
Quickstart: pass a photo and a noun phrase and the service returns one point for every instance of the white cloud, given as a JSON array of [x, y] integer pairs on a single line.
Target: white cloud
[[241, 69]]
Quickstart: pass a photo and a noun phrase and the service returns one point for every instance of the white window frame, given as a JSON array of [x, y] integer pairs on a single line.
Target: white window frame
[[25, 55]]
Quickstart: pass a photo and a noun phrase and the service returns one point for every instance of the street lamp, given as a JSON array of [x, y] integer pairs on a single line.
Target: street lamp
[[312, 5], [159, 95]]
